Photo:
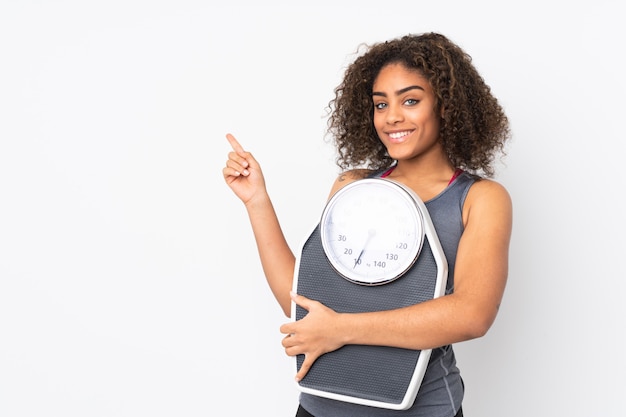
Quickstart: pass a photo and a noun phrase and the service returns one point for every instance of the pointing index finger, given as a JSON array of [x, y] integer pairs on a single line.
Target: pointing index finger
[[234, 144]]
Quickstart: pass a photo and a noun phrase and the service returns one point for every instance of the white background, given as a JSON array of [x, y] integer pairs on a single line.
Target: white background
[[129, 279]]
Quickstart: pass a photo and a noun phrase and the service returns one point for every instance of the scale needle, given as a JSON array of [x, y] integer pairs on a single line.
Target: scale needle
[[371, 233]]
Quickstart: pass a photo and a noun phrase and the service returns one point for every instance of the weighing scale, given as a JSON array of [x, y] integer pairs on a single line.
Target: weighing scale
[[375, 248]]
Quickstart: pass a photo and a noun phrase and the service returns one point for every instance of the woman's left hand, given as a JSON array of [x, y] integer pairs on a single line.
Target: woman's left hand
[[315, 334]]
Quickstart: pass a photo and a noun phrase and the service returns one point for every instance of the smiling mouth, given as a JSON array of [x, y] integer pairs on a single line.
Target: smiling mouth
[[399, 135]]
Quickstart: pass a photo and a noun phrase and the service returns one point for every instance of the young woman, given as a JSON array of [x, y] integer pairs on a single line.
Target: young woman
[[413, 109]]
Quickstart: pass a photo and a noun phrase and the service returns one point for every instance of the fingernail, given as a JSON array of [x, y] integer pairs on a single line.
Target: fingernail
[[246, 172]]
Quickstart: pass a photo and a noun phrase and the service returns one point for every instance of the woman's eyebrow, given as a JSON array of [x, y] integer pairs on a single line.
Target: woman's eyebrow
[[401, 91]]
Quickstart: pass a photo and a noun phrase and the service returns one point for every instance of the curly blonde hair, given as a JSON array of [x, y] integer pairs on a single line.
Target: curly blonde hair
[[473, 129]]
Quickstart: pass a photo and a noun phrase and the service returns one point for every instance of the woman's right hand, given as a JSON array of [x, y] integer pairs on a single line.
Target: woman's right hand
[[242, 172]]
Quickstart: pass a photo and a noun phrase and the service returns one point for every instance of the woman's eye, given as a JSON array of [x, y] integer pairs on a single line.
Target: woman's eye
[[411, 102], [380, 106]]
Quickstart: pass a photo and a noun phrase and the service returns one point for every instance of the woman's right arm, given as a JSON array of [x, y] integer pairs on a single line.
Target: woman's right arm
[[244, 176]]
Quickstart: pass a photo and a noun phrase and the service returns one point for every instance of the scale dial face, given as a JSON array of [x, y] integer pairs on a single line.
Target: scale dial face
[[372, 231]]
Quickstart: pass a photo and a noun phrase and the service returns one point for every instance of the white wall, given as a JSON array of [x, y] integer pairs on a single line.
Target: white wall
[[129, 282]]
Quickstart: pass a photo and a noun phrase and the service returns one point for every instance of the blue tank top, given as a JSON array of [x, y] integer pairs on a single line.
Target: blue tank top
[[441, 391]]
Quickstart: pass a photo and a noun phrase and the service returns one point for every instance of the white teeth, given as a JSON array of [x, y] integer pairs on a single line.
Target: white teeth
[[398, 135]]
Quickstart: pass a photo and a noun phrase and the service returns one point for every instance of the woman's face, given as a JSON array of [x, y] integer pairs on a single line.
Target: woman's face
[[405, 117]]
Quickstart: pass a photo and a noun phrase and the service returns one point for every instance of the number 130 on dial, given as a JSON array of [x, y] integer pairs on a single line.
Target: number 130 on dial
[[372, 230]]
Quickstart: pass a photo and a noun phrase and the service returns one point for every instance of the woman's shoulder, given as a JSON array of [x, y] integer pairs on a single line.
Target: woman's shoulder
[[348, 177], [355, 174], [487, 186], [488, 196]]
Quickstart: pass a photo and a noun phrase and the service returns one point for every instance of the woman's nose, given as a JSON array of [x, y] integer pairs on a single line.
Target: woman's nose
[[394, 114]]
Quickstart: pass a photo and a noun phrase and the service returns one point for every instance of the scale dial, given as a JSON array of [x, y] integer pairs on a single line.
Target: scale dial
[[372, 230]]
